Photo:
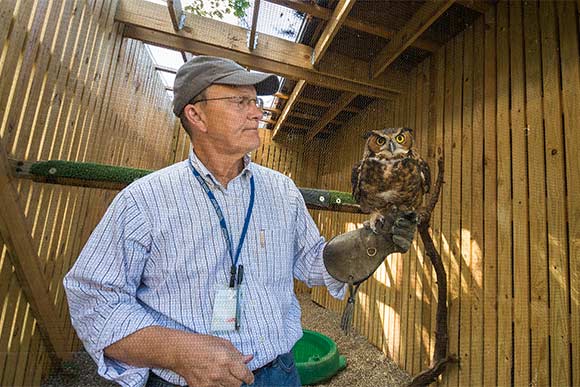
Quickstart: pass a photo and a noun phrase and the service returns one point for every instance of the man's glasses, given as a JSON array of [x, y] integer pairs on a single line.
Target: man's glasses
[[241, 102]]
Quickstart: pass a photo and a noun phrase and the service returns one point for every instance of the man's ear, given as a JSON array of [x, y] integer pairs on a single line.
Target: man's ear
[[195, 117]]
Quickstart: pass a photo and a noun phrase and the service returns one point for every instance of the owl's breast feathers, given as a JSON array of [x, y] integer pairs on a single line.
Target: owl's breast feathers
[[381, 183]]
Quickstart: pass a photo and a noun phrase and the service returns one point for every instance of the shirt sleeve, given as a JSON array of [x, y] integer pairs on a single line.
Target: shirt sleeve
[[102, 284], [308, 248]]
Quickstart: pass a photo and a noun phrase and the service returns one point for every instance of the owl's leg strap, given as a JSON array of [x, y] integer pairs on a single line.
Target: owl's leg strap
[[346, 320]]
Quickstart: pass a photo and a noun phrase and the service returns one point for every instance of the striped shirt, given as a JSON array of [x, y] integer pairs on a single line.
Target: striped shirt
[[158, 255]]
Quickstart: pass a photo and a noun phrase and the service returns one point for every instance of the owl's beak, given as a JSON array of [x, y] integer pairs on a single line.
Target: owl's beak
[[392, 146]]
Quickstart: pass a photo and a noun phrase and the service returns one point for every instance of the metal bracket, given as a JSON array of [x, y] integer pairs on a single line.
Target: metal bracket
[[252, 45]]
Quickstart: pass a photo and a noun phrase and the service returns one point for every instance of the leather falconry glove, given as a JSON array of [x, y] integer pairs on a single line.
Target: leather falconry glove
[[354, 256]]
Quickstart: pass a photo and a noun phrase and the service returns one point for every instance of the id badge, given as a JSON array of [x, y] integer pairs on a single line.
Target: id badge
[[225, 310]]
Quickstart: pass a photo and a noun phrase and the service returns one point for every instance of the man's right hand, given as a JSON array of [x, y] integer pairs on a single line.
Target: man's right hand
[[210, 361], [202, 360]]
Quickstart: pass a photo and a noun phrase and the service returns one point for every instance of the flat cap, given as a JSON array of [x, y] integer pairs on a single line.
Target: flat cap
[[202, 71]]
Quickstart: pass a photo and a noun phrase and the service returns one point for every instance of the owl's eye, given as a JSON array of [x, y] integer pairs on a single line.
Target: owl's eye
[[381, 140], [400, 139]]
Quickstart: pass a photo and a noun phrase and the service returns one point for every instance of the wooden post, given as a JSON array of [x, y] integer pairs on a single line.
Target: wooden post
[[26, 262]]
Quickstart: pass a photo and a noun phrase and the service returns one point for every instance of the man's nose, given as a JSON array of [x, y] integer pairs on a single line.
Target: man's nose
[[255, 112]]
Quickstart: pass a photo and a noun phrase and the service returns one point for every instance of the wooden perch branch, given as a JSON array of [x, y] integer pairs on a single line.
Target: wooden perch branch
[[440, 357]]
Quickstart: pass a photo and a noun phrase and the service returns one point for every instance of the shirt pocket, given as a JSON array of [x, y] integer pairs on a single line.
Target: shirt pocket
[[274, 257]]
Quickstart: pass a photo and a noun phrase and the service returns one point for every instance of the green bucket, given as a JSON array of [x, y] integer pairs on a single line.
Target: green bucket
[[316, 358]]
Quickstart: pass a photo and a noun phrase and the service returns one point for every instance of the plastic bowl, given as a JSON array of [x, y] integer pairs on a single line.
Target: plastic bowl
[[316, 357]]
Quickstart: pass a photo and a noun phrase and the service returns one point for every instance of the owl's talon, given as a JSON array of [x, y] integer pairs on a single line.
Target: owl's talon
[[380, 220]]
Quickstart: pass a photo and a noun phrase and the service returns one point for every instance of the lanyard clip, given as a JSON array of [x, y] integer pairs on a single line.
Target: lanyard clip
[[233, 276]]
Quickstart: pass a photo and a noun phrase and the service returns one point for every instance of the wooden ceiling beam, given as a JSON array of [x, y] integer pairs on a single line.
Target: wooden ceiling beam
[[336, 108], [419, 23], [145, 21], [304, 116], [315, 102], [338, 16], [166, 69], [272, 110], [475, 5], [288, 106], [353, 23]]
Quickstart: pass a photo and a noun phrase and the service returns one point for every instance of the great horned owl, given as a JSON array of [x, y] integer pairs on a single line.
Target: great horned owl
[[390, 174]]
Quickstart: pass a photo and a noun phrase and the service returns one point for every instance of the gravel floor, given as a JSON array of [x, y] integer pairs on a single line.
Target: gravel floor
[[366, 365]]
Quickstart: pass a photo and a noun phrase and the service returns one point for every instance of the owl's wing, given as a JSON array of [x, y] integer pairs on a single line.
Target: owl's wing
[[354, 180], [425, 174]]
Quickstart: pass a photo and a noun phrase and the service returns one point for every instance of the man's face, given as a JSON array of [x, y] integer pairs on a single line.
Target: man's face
[[232, 127]]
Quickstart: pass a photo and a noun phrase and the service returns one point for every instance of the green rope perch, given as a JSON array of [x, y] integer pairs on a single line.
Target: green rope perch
[[112, 177]]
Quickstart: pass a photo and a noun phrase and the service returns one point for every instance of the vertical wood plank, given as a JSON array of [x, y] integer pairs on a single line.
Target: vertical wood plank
[[478, 204], [437, 122], [455, 217], [416, 334], [466, 207], [520, 200], [426, 269], [569, 53], [539, 366], [446, 236], [556, 201], [504, 200], [490, 275]]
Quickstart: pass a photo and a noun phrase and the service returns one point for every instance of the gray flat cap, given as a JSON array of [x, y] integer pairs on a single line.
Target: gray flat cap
[[202, 71]]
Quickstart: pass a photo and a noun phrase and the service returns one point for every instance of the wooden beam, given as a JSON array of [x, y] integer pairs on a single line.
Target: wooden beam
[[272, 110], [337, 19], [211, 37], [475, 5], [166, 69], [24, 258], [268, 121], [176, 14], [252, 39], [315, 102], [288, 106], [298, 126], [336, 108], [353, 23], [304, 116], [335, 81], [421, 21]]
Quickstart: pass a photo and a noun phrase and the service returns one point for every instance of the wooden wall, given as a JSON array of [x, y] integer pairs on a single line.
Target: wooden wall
[[72, 89], [500, 104]]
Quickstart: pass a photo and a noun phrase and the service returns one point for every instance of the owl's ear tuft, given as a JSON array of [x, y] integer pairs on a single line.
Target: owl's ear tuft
[[407, 130], [366, 135]]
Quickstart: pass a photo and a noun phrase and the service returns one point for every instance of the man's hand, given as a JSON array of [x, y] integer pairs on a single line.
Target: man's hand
[[209, 361], [202, 360], [403, 230]]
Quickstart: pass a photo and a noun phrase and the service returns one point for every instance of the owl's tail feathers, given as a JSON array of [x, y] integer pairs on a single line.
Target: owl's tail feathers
[[346, 319]]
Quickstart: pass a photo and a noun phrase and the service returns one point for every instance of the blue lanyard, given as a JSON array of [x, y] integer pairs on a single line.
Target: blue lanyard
[[223, 224]]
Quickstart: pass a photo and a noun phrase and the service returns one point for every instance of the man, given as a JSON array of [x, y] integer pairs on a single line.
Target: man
[[188, 278]]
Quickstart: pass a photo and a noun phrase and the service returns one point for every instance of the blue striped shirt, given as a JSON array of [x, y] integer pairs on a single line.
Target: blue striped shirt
[[158, 255]]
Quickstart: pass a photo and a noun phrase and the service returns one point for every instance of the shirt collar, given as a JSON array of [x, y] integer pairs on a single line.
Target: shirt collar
[[208, 176]]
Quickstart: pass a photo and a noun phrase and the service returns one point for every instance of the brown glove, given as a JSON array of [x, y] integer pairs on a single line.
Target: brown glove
[[354, 256]]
